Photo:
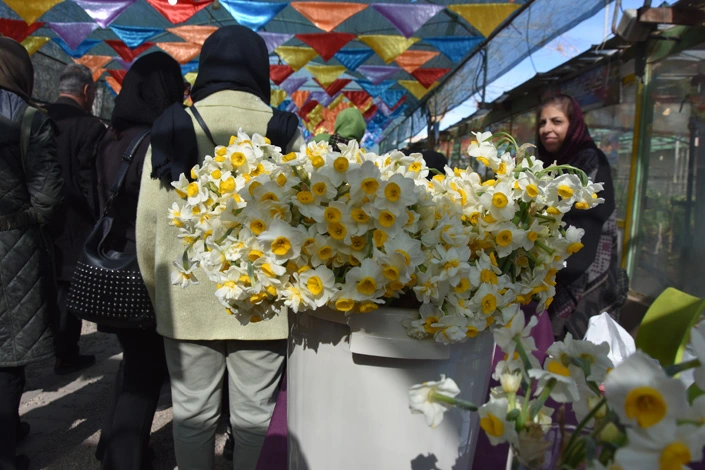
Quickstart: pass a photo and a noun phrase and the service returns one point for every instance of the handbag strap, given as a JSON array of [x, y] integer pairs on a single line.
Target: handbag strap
[[203, 125], [127, 157]]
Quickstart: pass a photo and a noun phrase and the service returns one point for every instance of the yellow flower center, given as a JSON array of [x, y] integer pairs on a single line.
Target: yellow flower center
[[325, 252], [304, 197], [555, 367], [430, 320], [462, 286], [674, 456], [258, 298], [565, 192], [341, 164], [192, 189], [504, 238], [492, 425], [267, 270], [255, 255], [407, 258], [391, 273], [646, 405], [379, 238], [392, 192], [359, 216], [369, 185], [238, 159], [553, 211], [488, 277], [499, 200], [358, 243], [314, 285], [257, 226], [386, 219], [344, 305], [332, 214], [253, 187], [415, 167], [289, 157], [474, 218], [320, 188], [366, 286], [367, 306], [471, 332], [337, 231], [257, 171], [317, 161], [269, 197], [489, 183], [489, 304], [502, 169], [532, 190], [582, 206], [281, 246], [574, 248], [215, 174], [483, 160], [281, 179]]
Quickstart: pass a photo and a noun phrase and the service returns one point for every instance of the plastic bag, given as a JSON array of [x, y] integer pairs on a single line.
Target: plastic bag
[[603, 328]]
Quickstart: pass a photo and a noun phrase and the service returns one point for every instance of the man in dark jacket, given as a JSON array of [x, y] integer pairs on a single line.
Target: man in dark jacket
[[78, 133]]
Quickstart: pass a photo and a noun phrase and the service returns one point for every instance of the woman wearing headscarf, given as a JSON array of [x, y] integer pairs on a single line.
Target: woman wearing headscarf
[[152, 84], [30, 194], [349, 125], [200, 339], [593, 281]]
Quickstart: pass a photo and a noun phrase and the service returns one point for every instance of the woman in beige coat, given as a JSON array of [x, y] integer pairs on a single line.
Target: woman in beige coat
[[200, 339]]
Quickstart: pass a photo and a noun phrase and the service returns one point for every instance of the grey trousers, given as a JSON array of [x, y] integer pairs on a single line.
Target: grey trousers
[[197, 369]]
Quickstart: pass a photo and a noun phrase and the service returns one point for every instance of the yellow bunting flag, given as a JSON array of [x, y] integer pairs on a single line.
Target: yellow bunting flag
[[327, 15], [193, 34], [34, 43], [277, 96], [415, 88], [485, 17], [31, 10], [388, 47], [183, 52], [326, 74], [191, 77], [94, 62], [296, 56], [315, 115], [334, 104]]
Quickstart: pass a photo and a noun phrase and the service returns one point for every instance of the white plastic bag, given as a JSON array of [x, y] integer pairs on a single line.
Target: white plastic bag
[[603, 328]]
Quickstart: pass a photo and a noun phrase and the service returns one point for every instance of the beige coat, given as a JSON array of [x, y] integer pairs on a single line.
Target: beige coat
[[194, 313]]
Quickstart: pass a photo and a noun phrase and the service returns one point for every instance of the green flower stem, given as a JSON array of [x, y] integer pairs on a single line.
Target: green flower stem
[[545, 393], [545, 217], [568, 168], [184, 258], [541, 245], [569, 448], [524, 415], [523, 354], [532, 257], [683, 366], [464, 404]]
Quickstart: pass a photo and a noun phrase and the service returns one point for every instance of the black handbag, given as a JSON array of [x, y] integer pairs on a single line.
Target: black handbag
[[107, 287]]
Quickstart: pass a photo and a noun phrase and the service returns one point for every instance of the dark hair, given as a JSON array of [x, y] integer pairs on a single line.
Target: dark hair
[[561, 101], [73, 78]]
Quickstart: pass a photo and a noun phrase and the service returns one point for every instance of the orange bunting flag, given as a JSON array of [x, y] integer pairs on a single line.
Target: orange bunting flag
[[338, 101], [334, 87], [118, 75], [388, 47], [299, 98], [34, 43], [358, 98], [97, 74], [276, 97], [296, 56], [485, 17], [193, 34], [31, 10], [94, 62], [279, 73], [183, 52], [429, 76], [415, 88], [326, 74], [114, 84], [128, 54], [411, 60], [327, 15], [326, 44]]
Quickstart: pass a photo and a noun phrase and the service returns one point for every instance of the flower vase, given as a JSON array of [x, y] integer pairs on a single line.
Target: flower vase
[[542, 451], [348, 382]]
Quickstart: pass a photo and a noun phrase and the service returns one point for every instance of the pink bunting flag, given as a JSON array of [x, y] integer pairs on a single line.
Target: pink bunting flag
[[104, 12], [377, 73], [274, 40], [73, 34], [407, 18]]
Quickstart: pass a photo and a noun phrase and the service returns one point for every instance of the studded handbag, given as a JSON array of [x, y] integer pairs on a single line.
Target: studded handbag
[[107, 287]]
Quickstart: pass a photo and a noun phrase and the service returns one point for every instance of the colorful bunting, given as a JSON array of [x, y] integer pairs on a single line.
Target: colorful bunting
[[358, 98], [429, 76], [415, 88], [455, 47], [325, 74], [31, 10], [291, 84], [94, 62], [189, 67], [181, 11], [296, 56], [135, 36], [312, 112], [392, 97], [124, 63], [407, 18], [191, 77], [370, 113], [377, 73], [276, 97], [300, 97], [183, 52], [326, 44], [383, 108], [193, 34], [485, 17], [411, 60], [79, 51], [375, 89], [338, 105], [104, 12], [279, 73], [252, 14], [118, 75], [327, 15], [386, 46], [97, 74], [335, 87], [322, 97], [34, 43], [128, 53], [274, 40], [353, 58], [17, 29], [73, 34], [114, 85]]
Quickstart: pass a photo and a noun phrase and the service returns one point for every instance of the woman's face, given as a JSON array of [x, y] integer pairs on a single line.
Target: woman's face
[[553, 127]]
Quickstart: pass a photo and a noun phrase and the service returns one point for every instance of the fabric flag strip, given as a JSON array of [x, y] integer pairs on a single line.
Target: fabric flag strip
[[326, 44], [73, 34], [125, 52], [79, 51], [353, 58], [322, 97], [327, 15], [191, 77], [118, 75], [104, 12], [415, 88], [97, 74], [325, 74], [181, 11], [183, 52], [485, 17], [189, 67], [94, 62], [252, 14], [277, 97], [375, 89], [274, 40], [34, 43], [338, 104], [392, 97], [377, 73], [114, 85], [370, 113], [455, 47], [17, 29], [135, 36], [124, 63], [296, 56], [193, 34], [412, 60], [300, 97], [291, 84], [31, 10], [358, 97], [429, 76], [388, 47], [334, 87], [279, 73], [407, 18]]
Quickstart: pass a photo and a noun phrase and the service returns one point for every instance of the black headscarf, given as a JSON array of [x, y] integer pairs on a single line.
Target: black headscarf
[[16, 70], [152, 84]]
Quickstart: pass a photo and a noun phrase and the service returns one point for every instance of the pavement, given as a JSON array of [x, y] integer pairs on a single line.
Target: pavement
[[66, 412]]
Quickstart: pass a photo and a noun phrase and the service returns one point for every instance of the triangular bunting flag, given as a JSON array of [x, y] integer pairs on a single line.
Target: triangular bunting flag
[[288, 106], [94, 62], [291, 84], [335, 87], [191, 77], [358, 98], [17, 29], [114, 85], [392, 97], [34, 43], [411, 60], [377, 73], [252, 14], [407, 18], [118, 75], [189, 67], [73, 33], [276, 97], [327, 15], [300, 97], [326, 44], [429, 76], [127, 53], [124, 63], [104, 12], [338, 104], [274, 40], [485, 17], [353, 58], [279, 73], [135, 36], [370, 113], [79, 51], [322, 97], [97, 74], [183, 52], [326, 74], [296, 56], [415, 88], [307, 112], [455, 47], [388, 47], [31, 10], [180, 11], [383, 108], [375, 89], [193, 34]]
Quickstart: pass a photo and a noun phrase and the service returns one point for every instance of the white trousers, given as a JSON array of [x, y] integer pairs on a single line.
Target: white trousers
[[197, 369]]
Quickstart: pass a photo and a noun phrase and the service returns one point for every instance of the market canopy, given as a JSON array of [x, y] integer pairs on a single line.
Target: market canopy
[[396, 60]]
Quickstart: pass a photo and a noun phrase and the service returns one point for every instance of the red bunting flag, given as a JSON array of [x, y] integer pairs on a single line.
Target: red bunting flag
[[371, 111], [326, 44], [334, 87], [125, 52], [358, 98], [299, 97], [401, 100], [118, 75], [17, 29], [180, 11], [307, 108], [279, 73], [428, 76]]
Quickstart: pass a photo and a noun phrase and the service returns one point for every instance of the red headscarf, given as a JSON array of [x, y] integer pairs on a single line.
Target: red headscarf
[[577, 137]]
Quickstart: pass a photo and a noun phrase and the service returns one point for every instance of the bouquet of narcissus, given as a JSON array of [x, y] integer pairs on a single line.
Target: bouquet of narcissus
[[353, 230]]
